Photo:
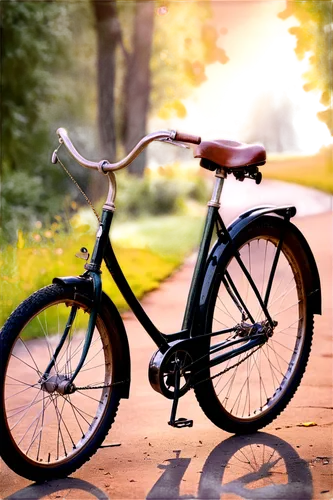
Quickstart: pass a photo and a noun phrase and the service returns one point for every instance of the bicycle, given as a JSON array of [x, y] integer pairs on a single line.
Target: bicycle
[[243, 346]]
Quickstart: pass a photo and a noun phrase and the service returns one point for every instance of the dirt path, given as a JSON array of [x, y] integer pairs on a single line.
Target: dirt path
[[156, 461]]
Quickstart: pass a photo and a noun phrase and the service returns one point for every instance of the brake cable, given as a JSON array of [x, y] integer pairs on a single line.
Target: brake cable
[[55, 159]]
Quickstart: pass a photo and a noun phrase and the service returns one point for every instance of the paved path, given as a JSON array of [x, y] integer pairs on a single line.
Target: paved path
[[156, 461]]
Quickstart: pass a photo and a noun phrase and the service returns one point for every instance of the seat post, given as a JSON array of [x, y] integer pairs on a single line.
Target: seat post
[[220, 175]]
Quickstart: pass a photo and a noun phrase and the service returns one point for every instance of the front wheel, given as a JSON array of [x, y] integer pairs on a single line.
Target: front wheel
[[46, 434], [247, 392]]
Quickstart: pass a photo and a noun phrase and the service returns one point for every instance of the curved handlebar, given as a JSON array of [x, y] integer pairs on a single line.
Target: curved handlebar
[[105, 166], [64, 139]]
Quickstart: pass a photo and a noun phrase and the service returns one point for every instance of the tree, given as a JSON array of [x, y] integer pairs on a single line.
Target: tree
[[108, 37], [138, 82], [35, 91], [181, 47]]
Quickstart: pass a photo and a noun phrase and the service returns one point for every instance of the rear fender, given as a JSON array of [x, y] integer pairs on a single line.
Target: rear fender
[[83, 289], [223, 245]]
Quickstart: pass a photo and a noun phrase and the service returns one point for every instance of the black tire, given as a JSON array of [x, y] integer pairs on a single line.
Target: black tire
[[227, 399], [44, 434]]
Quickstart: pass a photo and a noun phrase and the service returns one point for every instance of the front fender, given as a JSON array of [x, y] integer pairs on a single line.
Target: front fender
[[83, 288], [223, 245]]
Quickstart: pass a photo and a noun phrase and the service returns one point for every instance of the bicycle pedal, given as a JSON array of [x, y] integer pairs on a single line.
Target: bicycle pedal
[[181, 422]]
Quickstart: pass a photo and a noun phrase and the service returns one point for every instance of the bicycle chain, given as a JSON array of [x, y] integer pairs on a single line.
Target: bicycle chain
[[228, 368], [85, 388]]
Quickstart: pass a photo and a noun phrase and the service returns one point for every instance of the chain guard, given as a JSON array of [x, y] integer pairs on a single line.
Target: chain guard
[[162, 369]]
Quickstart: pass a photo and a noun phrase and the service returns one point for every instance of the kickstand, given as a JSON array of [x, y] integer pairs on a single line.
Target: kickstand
[[180, 422]]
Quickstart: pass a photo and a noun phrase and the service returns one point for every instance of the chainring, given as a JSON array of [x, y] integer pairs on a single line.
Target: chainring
[[162, 371]]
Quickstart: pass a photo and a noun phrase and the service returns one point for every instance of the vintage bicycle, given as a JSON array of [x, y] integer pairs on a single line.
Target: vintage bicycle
[[243, 345]]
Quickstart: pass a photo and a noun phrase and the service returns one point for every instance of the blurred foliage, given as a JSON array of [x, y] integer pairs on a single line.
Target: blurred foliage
[[183, 44], [49, 251], [41, 82], [48, 64], [310, 22], [157, 194], [316, 19]]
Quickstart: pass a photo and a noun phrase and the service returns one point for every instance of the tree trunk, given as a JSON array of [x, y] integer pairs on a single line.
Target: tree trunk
[[108, 36], [137, 83]]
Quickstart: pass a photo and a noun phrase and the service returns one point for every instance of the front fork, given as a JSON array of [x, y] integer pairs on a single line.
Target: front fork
[[62, 384], [66, 385]]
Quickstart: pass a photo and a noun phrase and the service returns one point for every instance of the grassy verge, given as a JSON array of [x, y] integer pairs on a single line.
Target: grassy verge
[[148, 252], [313, 171]]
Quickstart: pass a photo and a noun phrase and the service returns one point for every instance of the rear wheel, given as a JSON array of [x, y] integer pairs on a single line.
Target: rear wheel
[[247, 392], [46, 434]]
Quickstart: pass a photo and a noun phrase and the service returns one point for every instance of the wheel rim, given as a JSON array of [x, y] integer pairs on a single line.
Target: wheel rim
[[49, 428], [256, 382]]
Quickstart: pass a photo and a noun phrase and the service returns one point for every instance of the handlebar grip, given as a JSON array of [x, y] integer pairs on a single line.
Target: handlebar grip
[[192, 139]]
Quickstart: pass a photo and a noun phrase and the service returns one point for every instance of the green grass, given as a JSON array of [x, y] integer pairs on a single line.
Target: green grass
[[312, 171], [148, 252]]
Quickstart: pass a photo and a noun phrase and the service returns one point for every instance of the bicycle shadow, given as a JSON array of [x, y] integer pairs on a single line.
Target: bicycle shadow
[[38, 491], [260, 466]]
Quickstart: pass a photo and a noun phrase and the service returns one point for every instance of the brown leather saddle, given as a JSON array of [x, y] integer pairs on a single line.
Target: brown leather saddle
[[229, 154]]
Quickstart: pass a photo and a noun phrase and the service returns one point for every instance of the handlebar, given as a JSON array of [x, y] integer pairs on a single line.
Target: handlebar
[[105, 166], [191, 139]]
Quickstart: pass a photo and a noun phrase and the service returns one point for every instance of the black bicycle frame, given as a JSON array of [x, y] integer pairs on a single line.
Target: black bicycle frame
[[163, 340], [103, 250]]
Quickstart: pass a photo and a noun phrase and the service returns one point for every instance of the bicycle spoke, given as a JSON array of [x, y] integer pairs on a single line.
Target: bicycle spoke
[[26, 432], [51, 353], [75, 416], [261, 380], [238, 398], [282, 345], [271, 365], [90, 397], [35, 436], [25, 409], [220, 322], [92, 368], [59, 432], [283, 295], [225, 311], [287, 308], [270, 347], [20, 392], [290, 327], [81, 412], [28, 350], [41, 432], [27, 364], [20, 409], [19, 382]]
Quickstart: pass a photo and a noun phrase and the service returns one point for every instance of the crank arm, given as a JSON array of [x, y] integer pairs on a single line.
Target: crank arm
[[180, 422]]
